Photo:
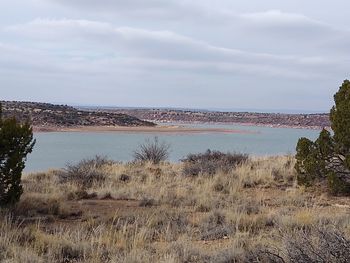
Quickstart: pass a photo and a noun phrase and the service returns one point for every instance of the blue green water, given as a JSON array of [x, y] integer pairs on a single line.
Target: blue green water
[[55, 149]]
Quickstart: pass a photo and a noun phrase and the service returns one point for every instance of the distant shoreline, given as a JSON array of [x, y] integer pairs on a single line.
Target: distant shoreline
[[300, 121], [165, 127], [140, 129], [248, 124], [50, 118]]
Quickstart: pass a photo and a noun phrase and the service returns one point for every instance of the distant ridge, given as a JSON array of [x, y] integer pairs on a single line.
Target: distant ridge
[[47, 115], [54, 116], [313, 121], [283, 111]]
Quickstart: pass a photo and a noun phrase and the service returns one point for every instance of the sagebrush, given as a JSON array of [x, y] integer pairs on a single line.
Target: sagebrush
[[210, 162], [153, 151], [87, 171]]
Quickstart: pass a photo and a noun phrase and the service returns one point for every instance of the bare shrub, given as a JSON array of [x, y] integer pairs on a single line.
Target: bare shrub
[[167, 225], [319, 244], [152, 151], [211, 162], [322, 245], [86, 172], [186, 252], [227, 256], [80, 194], [37, 204], [146, 202], [258, 255], [124, 178], [215, 227]]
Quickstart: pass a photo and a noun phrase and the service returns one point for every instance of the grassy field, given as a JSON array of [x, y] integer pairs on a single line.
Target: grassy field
[[154, 213]]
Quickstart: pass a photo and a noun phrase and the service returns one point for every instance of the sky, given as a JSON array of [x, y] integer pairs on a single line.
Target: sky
[[223, 54]]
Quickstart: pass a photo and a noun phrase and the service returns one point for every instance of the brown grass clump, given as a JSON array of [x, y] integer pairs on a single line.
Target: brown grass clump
[[142, 212], [87, 172], [210, 162]]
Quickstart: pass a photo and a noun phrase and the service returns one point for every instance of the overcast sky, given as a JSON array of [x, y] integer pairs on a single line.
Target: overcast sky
[[253, 54]]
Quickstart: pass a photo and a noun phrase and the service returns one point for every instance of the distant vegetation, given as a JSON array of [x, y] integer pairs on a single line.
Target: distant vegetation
[[49, 115], [267, 119], [328, 158]]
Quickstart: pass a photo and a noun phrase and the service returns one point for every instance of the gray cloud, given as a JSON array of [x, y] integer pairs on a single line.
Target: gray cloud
[[281, 27], [150, 9], [171, 49], [199, 53], [277, 18]]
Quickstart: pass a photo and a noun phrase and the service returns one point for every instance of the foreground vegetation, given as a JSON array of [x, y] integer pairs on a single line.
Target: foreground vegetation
[[102, 211], [16, 142], [328, 158]]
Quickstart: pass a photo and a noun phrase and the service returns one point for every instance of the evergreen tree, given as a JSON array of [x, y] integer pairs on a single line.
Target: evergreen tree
[[325, 150], [306, 161], [16, 142], [329, 156], [340, 118]]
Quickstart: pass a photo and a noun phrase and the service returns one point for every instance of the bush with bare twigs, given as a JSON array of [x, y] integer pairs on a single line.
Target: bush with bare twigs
[[211, 162], [319, 244], [152, 151], [86, 172]]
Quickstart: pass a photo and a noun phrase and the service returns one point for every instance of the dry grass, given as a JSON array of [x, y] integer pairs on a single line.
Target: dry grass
[[152, 213]]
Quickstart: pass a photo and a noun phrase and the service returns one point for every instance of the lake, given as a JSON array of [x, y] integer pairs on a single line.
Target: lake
[[56, 149]]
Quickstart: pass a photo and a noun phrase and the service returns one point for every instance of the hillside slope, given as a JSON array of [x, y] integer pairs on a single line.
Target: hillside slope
[[51, 115], [267, 119]]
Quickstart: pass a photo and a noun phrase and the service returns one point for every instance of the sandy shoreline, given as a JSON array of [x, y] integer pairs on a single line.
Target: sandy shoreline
[[139, 129]]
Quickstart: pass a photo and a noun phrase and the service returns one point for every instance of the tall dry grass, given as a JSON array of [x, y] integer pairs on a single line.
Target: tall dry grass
[[153, 213]]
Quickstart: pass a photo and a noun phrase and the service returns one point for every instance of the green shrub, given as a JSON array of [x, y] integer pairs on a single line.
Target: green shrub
[[306, 161], [16, 142], [329, 156], [336, 185]]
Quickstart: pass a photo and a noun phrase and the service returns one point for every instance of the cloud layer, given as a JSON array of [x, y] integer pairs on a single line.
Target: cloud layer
[[203, 55]]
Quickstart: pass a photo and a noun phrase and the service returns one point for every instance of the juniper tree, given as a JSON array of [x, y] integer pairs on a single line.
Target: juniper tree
[[340, 118], [306, 161], [16, 142], [329, 156]]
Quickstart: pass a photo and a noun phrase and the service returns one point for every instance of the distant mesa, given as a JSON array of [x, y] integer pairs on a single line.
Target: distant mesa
[[46, 116], [311, 121]]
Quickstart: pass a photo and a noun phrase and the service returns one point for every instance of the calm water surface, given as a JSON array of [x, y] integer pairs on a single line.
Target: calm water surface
[[55, 149]]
